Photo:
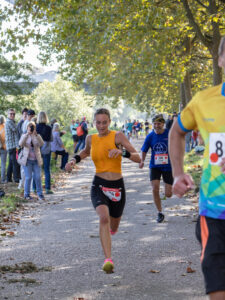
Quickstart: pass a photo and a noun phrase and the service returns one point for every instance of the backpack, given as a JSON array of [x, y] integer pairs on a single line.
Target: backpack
[[80, 130]]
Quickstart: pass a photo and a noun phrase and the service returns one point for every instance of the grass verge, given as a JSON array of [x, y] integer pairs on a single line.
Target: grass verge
[[193, 165]]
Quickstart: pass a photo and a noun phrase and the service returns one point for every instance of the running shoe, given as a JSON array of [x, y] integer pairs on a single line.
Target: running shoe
[[160, 217], [108, 266], [28, 198], [112, 232]]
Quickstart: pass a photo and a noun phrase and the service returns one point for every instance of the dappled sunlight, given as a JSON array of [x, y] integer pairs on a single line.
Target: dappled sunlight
[[77, 209], [126, 224], [151, 238], [144, 202]]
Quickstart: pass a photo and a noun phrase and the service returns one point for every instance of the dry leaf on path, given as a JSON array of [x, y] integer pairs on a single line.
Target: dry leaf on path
[[154, 271], [190, 270]]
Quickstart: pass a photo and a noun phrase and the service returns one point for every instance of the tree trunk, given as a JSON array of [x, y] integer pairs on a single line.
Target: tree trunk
[[217, 72], [182, 96]]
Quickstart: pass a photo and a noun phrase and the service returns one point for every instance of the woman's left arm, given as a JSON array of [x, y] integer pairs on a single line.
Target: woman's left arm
[[130, 151]]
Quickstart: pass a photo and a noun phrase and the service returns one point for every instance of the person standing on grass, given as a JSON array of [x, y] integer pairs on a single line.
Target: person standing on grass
[[45, 132], [82, 137], [108, 192], [73, 129], [3, 151], [11, 139], [31, 160], [58, 147]]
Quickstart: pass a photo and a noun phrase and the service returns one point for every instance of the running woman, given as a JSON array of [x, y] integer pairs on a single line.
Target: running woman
[[159, 165], [108, 192]]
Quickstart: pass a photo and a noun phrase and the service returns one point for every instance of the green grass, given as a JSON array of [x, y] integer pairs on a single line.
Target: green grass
[[9, 203], [193, 165]]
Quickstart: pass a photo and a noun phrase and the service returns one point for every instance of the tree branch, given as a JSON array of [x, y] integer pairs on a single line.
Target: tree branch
[[200, 3], [195, 25]]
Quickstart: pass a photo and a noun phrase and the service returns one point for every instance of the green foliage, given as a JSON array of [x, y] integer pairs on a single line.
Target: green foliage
[[193, 164], [9, 204], [134, 50], [59, 100], [12, 90]]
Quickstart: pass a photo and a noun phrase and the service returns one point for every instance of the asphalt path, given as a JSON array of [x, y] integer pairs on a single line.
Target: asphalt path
[[152, 261]]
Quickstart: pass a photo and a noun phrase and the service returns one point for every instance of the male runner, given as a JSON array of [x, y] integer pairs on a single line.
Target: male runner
[[159, 165], [206, 113]]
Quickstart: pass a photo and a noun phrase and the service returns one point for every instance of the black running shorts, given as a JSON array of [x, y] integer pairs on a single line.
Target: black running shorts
[[156, 173], [109, 193], [211, 234]]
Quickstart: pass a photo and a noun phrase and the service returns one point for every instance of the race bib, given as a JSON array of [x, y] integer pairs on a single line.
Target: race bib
[[111, 193], [216, 148], [161, 159]]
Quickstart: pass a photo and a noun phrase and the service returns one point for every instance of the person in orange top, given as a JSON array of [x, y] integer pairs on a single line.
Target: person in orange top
[[3, 151], [108, 192]]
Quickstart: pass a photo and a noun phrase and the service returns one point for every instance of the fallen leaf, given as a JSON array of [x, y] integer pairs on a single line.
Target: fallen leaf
[[190, 270], [93, 236], [154, 271], [10, 233]]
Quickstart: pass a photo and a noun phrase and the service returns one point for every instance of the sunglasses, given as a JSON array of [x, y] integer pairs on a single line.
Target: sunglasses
[[12, 114]]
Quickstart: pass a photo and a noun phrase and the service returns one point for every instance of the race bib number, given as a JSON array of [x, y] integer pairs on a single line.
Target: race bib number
[[113, 194], [161, 159], [216, 148]]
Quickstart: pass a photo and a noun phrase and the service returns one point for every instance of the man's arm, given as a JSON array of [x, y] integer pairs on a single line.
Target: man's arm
[[143, 156], [182, 182]]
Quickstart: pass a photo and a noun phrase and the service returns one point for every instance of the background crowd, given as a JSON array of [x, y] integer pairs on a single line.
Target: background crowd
[[30, 144]]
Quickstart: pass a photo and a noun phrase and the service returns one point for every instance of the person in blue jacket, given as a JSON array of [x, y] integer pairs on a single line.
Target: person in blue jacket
[[159, 165]]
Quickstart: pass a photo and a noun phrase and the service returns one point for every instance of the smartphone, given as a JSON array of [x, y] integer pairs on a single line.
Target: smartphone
[[32, 128]]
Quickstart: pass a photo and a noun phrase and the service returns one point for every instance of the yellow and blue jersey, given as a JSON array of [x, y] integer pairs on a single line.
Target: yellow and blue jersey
[[206, 112]]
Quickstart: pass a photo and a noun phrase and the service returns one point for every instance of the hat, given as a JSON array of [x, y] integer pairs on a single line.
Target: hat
[[158, 118], [31, 112], [84, 118]]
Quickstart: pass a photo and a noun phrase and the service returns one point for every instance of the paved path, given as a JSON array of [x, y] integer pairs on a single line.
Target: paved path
[[64, 236]]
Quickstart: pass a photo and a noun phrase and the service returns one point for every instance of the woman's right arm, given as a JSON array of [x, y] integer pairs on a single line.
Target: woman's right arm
[[23, 139]]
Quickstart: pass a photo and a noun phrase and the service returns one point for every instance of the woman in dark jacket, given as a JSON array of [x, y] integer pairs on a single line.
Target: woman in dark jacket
[[45, 132]]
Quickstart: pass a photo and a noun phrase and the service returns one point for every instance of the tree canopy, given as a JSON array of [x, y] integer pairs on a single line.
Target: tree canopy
[[146, 52], [59, 100]]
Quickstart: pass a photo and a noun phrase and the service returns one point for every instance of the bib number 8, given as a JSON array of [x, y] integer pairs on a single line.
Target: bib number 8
[[219, 150], [216, 148]]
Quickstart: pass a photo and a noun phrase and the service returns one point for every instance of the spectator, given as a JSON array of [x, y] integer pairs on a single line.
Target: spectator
[[146, 127], [52, 122], [20, 132], [188, 142], [169, 122], [31, 160], [82, 138], [194, 139], [11, 138], [30, 116], [20, 124], [73, 129], [45, 132], [58, 147], [3, 151]]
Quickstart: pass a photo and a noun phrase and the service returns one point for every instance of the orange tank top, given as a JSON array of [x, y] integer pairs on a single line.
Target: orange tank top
[[100, 147]]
